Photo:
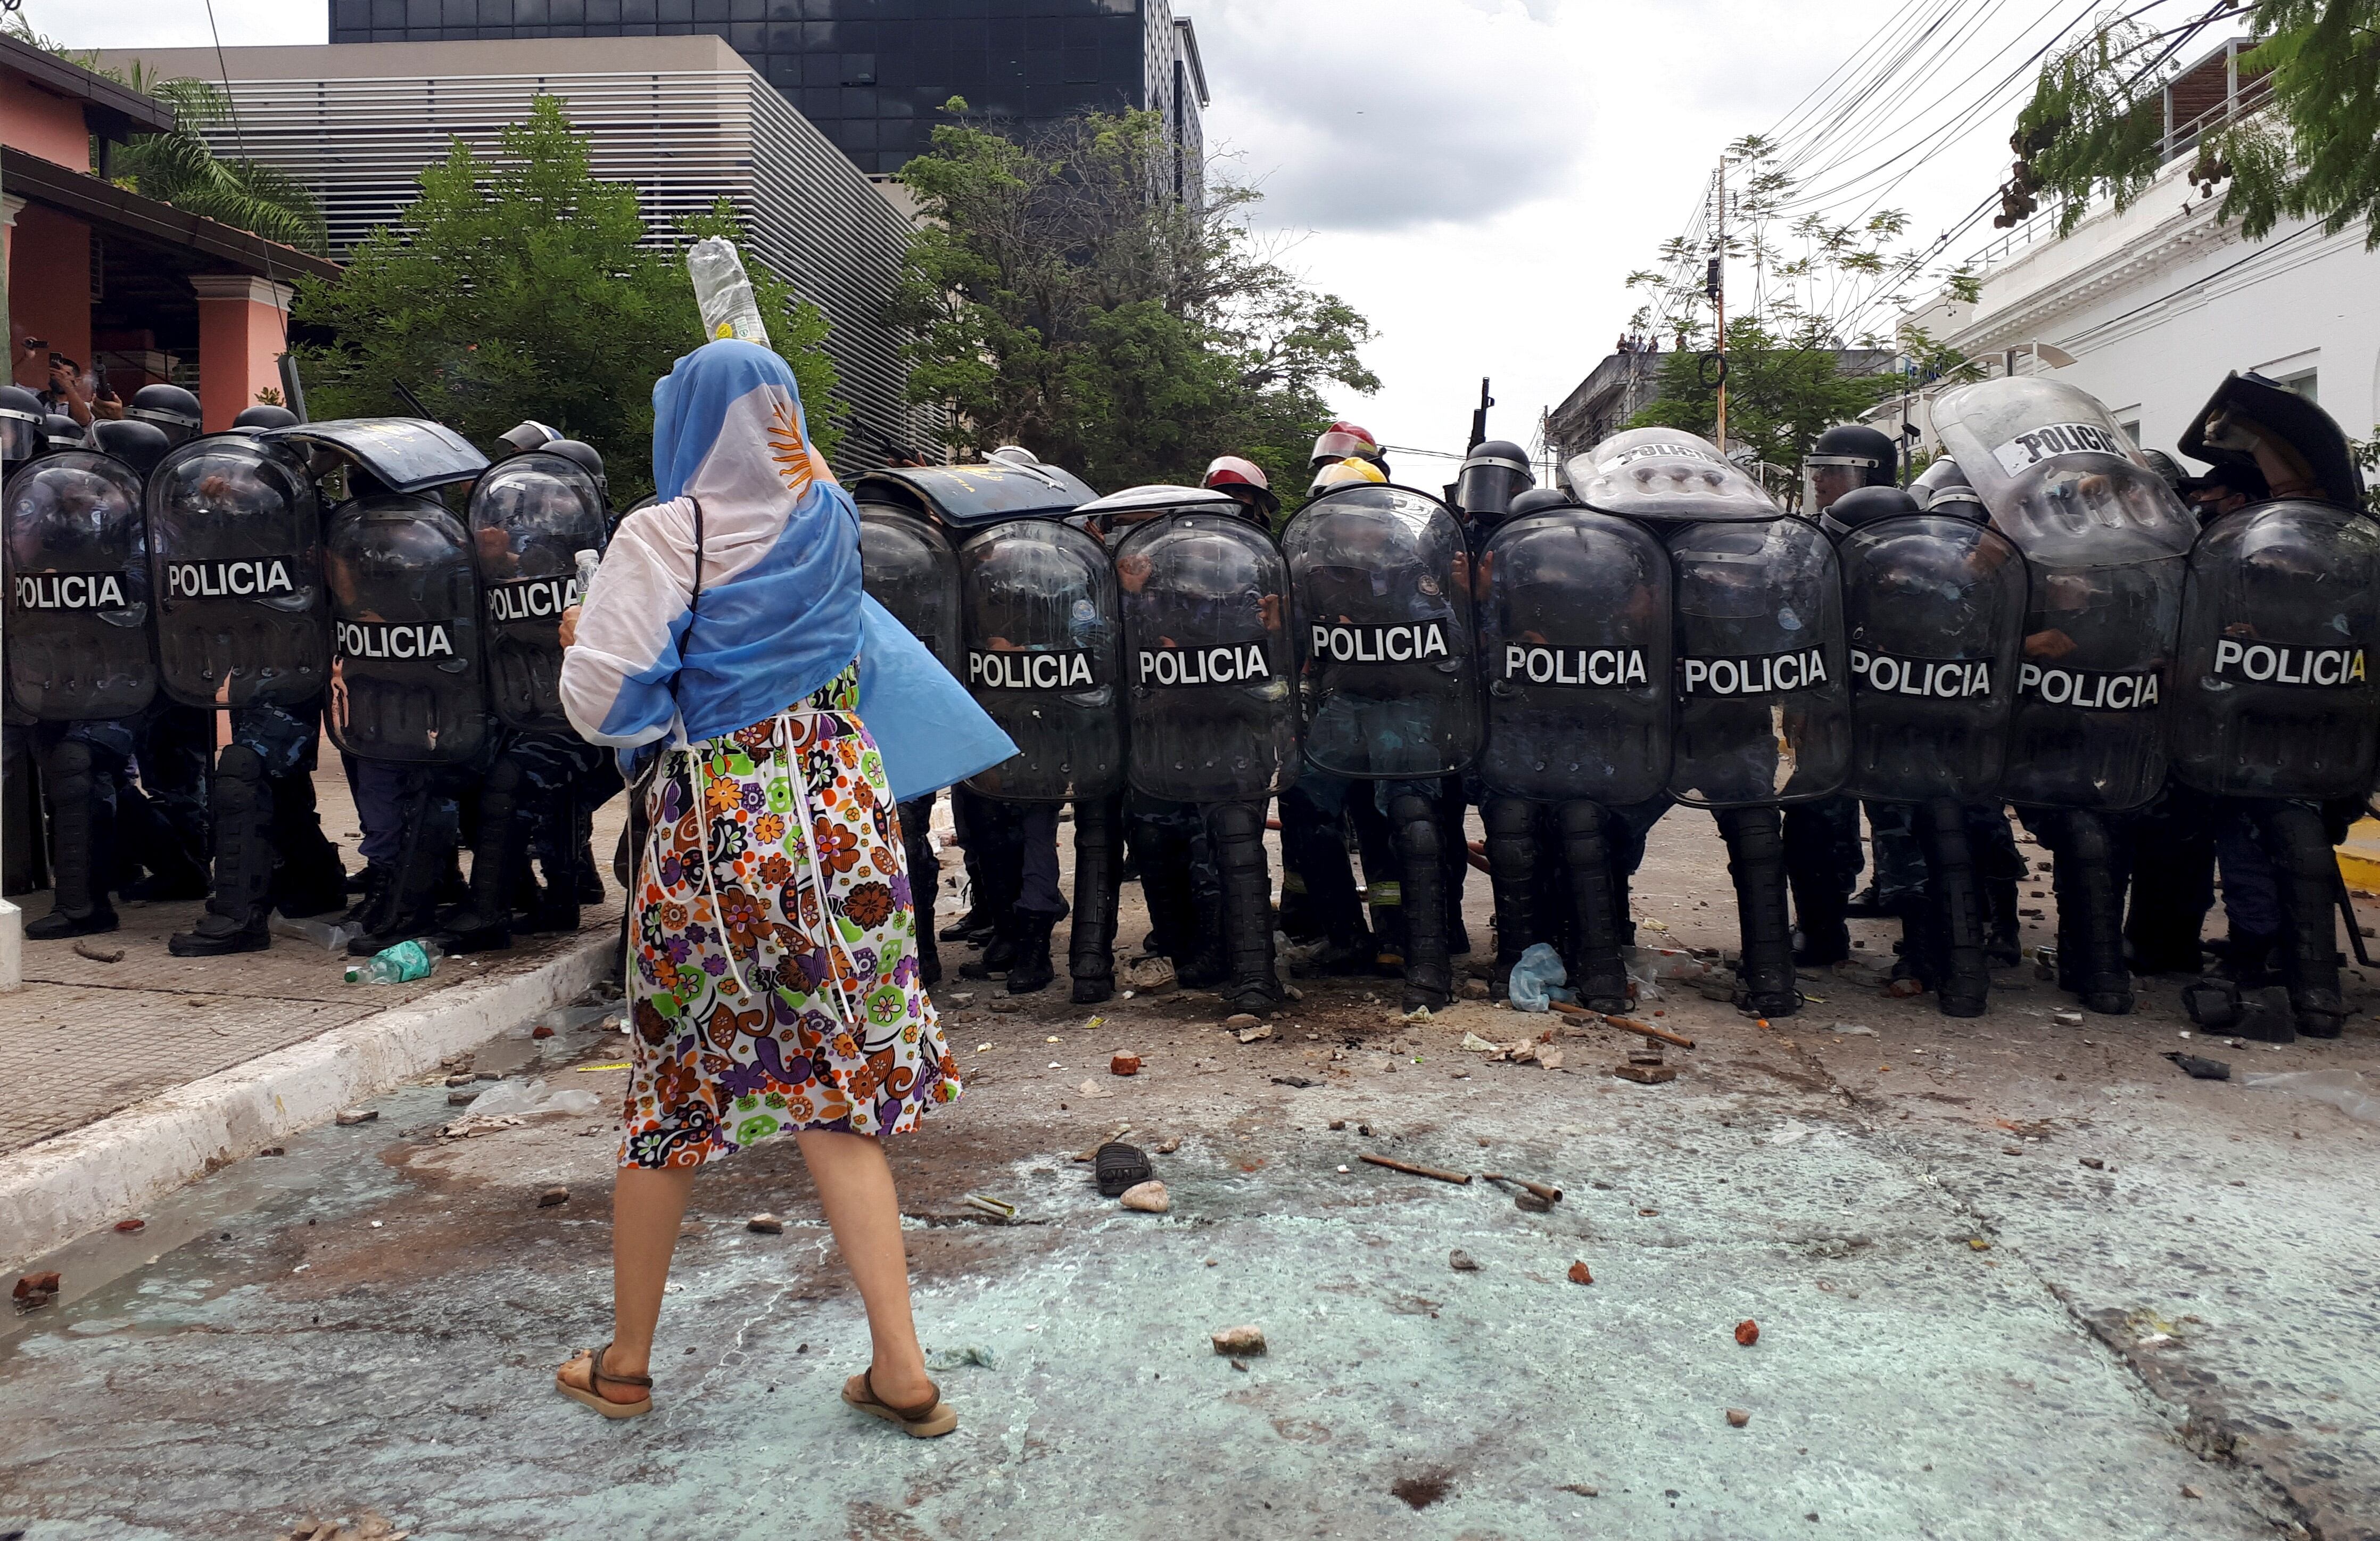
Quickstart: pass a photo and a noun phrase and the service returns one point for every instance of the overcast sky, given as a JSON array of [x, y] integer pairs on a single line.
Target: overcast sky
[[1476, 176]]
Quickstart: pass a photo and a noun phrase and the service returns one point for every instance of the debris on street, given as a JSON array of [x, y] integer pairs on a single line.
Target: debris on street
[[99, 954], [2201, 1069], [765, 1225], [1148, 1197], [1412, 1171], [1579, 1274], [353, 1116], [1462, 1261], [1747, 1332], [36, 1290], [1736, 1417], [1239, 1343], [1124, 1065]]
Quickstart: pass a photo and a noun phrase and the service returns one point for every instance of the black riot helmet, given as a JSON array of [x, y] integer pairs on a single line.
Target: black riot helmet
[[589, 459], [1493, 474], [2297, 445], [262, 416], [21, 424], [1848, 455], [139, 446], [526, 435], [1536, 500], [173, 409], [2166, 466], [1943, 487], [1863, 506], [62, 432]]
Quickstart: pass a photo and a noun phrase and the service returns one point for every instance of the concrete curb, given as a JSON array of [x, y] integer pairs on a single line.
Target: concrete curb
[[57, 1190]]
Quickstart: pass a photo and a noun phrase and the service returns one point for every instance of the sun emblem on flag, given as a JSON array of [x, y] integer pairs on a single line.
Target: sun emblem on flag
[[787, 450]]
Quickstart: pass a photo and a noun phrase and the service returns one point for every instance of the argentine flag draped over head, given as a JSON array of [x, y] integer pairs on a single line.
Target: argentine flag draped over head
[[782, 609]]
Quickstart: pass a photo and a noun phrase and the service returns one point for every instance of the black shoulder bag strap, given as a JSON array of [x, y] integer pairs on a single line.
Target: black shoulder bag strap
[[633, 832]]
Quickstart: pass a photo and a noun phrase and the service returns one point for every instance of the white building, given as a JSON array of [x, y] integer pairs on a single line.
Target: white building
[[2156, 303]]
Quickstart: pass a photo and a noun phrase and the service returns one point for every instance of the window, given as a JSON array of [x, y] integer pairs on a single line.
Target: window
[[2304, 382]]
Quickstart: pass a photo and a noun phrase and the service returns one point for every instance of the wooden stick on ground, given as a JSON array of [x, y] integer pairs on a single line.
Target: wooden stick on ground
[[1625, 1024], [1546, 1191], [1409, 1169]]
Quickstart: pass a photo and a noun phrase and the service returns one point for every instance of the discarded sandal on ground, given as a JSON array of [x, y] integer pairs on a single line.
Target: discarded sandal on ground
[[930, 1419], [592, 1394]]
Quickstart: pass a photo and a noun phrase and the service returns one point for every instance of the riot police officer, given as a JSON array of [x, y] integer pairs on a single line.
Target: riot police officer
[[22, 419], [1028, 591], [1576, 638], [1822, 838], [1387, 683], [243, 624], [2274, 711], [1764, 709], [2105, 542], [79, 661], [173, 410], [1213, 728], [262, 416]]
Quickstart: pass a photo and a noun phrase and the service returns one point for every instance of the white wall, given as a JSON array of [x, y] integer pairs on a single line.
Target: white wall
[[2158, 302]]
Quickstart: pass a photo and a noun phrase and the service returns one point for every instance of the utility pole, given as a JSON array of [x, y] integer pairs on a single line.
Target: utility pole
[[1715, 284]]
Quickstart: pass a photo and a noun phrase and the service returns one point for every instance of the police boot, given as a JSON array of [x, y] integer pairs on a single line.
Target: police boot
[[1755, 861], [1512, 882], [1961, 975], [175, 858], [483, 923], [2090, 920], [588, 878], [997, 889], [409, 904], [1090, 946], [1338, 904], [2247, 958], [1031, 970], [1455, 842], [242, 811], [1429, 979], [371, 887], [1819, 910], [2004, 947], [1236, 832], [1599, 972], [310, 880], [2309, 884], [78, 901], [925, 883]]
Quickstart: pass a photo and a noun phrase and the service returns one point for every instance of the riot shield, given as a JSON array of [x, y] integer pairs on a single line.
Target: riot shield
[[531, 514], [1385, 651], [2106, 543], [1666, 475], [78, 575], [972, 497], [2274, 694], [1205, 603], [236, 547], [404, 455], [1933, 607], [1576, 638], [405, 681], [1763, 714], [1036, 615], [909, 566]]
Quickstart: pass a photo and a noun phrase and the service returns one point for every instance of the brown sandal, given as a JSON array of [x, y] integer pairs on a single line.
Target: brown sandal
[[592, 1395], [930, 1419]]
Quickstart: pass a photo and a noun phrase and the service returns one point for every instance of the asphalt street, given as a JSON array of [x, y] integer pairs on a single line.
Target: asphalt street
[[2013, 1276]]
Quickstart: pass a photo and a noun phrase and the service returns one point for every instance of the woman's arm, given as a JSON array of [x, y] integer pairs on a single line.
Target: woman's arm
[[624, 650]]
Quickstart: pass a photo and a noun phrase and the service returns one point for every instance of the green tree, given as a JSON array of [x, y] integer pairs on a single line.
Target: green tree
[[1812, 280], [2095, 124], [1780, 396], [1062, 299], [522, 286]]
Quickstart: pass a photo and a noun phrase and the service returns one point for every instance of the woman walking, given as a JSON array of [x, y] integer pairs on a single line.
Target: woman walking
[[773, 975]]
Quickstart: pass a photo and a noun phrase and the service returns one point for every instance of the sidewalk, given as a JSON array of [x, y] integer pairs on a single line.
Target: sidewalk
[[90, 1049]]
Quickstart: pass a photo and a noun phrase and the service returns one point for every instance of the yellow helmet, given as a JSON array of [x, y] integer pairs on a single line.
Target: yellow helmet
[[1339, 473]]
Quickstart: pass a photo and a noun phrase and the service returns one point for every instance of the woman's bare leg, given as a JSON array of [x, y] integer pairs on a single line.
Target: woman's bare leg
[[855, 1184], [646, 1208]]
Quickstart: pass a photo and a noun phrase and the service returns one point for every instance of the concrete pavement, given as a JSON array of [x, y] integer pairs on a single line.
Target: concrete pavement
[[2175, 1341]]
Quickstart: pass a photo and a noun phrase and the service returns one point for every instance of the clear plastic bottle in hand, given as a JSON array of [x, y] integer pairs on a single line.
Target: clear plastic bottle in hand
[[723, 291]]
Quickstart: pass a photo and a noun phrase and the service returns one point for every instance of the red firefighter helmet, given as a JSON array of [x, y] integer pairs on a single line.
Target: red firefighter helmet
[[1246, 480], [1342, 440]]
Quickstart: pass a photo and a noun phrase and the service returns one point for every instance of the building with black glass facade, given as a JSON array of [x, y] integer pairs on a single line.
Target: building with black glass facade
[[873, 74]]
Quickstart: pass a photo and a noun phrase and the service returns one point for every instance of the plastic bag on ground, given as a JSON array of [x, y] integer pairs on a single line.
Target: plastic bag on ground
[[2349, 1091], [530, 1099], [329, 937], [1537, 979]]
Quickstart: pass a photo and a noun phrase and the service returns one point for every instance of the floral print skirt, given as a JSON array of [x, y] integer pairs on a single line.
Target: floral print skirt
[[774, 985]]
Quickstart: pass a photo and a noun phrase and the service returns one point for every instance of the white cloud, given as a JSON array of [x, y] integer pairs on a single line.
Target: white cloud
[[178, 23]]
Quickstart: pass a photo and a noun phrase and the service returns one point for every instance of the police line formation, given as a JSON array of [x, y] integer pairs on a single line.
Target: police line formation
[[2036, 620]]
